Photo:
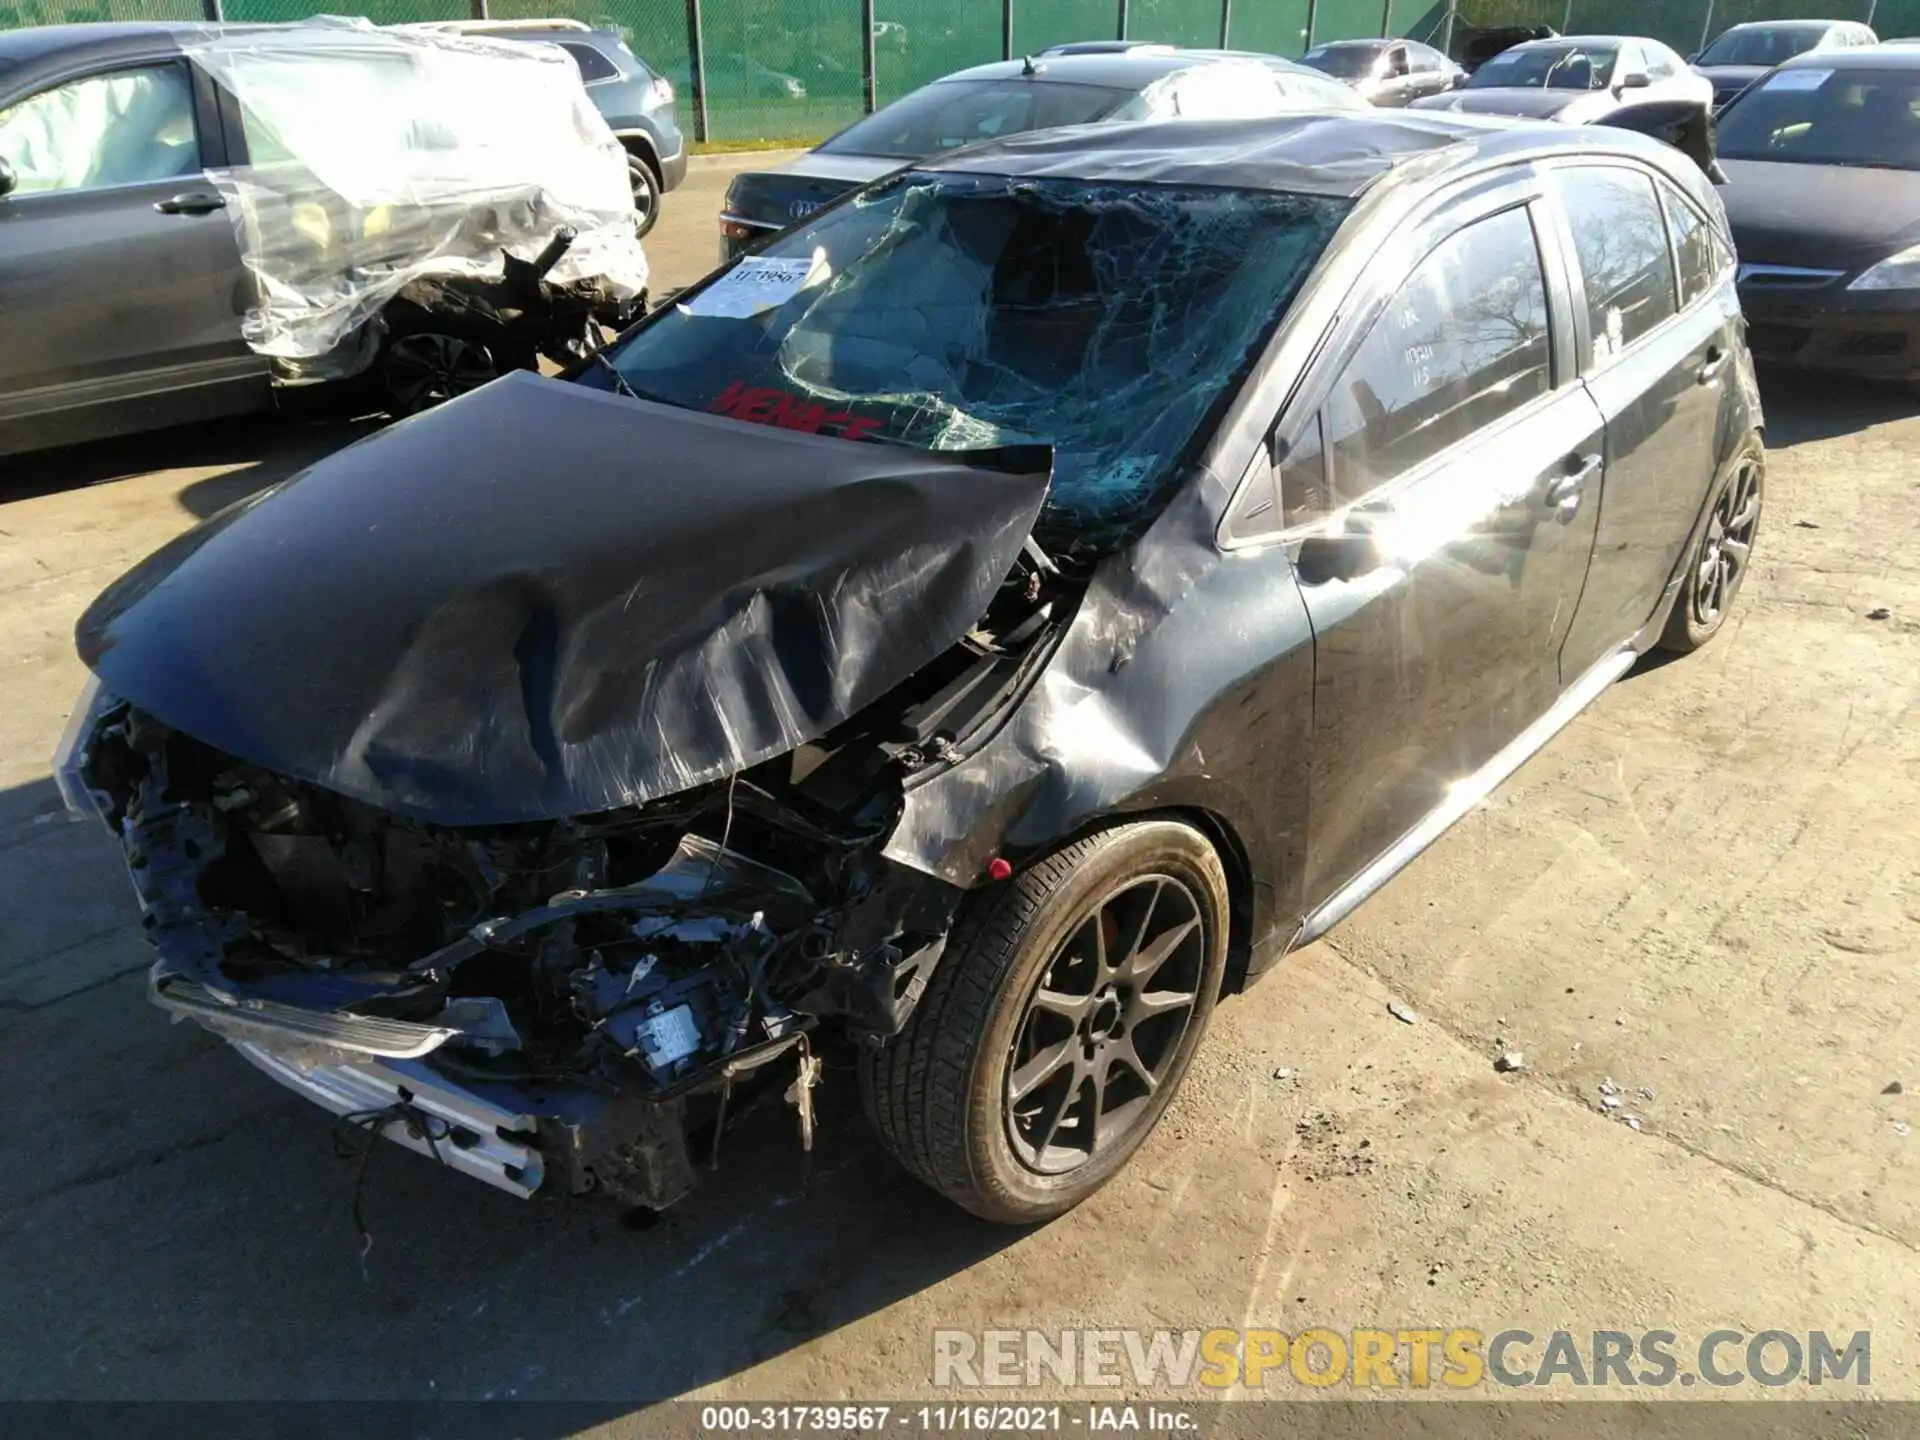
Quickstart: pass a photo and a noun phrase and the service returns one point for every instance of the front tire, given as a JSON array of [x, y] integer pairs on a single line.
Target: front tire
[[1058, 1024], [1718, 565]]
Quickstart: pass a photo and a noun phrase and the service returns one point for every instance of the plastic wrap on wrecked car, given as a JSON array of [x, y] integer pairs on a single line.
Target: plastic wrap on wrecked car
[[379, 157], [541, 600]]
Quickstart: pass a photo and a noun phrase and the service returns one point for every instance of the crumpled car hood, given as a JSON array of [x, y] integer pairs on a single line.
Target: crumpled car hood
[[543, 600]]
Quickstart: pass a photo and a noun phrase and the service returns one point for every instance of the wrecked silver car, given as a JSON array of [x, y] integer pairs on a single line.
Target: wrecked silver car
[[1002, 616]]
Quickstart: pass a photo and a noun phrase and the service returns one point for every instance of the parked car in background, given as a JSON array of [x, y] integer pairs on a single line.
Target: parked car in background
[[1250, 498], [1072, 84], [1575, 79], [1477, 46], [1387, 72], [1822, 158], [636, 100], [193, 218], [1741, 54]]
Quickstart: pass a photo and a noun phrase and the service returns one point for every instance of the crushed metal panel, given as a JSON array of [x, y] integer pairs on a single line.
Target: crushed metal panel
[[641, 599]]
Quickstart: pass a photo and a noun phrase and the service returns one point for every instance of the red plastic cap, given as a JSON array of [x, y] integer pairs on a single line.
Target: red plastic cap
[[998, 868]]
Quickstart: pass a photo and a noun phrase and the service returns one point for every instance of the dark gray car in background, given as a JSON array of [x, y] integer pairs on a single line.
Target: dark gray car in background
[[1070, 84], [151, 239], [1822, 158], [1386, 72], [123, 291], [1741, 54], [635, 99]]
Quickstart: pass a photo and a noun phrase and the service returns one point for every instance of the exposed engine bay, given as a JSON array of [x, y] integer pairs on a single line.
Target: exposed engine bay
[[561, 1005]]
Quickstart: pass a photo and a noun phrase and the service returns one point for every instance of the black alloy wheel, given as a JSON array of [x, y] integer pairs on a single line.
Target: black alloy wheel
[[1103, 1025], [1724, 555], [1058, 1023], [427, 367]]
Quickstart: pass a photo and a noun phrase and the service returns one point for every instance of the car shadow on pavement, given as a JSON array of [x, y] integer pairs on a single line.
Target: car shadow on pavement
[[1802, 407], [255, 450], [175, 1225]]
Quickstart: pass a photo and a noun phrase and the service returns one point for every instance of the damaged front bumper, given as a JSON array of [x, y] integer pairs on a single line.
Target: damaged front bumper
[[585, 1031]]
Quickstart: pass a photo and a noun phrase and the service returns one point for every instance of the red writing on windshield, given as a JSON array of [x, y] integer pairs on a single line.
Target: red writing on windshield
[[766, 406]]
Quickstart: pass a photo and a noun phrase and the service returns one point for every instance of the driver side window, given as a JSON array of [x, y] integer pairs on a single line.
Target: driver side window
[[125, 127]]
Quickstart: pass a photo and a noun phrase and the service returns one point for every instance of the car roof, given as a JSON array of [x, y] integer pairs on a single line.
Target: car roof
[[1785, 25], [1555, 41], [1138, 66], [1898, 55], [1339, 154]]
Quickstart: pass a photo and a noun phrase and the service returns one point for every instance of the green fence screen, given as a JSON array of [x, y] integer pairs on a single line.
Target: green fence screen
[[789, 70]]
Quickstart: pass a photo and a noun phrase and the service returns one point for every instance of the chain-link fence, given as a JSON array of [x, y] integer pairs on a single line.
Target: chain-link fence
[[774, 70]]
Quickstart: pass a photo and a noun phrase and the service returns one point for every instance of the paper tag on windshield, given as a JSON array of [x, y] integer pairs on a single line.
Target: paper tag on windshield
[[756, 285], [1809, 79]]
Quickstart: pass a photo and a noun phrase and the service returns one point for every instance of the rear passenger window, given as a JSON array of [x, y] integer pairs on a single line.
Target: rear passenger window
[[1463, 343], [1621, 240], [593, 65], [1703, 254]]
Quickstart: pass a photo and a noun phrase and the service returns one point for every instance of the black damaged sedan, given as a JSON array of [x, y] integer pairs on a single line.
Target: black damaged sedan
[[1001, 618]]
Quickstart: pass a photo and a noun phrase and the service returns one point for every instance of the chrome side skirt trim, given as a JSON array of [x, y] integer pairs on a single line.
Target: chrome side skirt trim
[[476, 1141], [1464, 795]]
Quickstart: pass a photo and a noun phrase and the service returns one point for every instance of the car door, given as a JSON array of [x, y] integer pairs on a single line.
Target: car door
[[120, 277], [1439, 473], [1658, 371]]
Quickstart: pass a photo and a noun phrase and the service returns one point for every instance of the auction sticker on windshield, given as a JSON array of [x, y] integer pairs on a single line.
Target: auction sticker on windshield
[[758, 284], [1809, 79]]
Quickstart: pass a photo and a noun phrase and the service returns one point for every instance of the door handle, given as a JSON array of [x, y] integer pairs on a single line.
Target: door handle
[[1716, 357], [1569, 487], [191, 202]]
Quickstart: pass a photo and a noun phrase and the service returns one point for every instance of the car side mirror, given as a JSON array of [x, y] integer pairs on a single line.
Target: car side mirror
[[1459, 79], [1635, 80], [1338, 555], [8, 180], [1693, 58]]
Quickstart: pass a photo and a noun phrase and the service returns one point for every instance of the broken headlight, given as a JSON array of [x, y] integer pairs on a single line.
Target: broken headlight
[[70, 759]]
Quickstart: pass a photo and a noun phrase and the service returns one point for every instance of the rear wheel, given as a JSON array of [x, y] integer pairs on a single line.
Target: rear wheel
[[1058, 1024], [1718, 567]]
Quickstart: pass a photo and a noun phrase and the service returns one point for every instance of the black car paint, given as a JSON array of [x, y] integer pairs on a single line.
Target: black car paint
[[1313, 725], [586, 644], [1804, 232]]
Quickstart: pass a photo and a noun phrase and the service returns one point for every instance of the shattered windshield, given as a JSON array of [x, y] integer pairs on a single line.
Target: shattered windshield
[[967, 312], [952, 113], [1548, 67]]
